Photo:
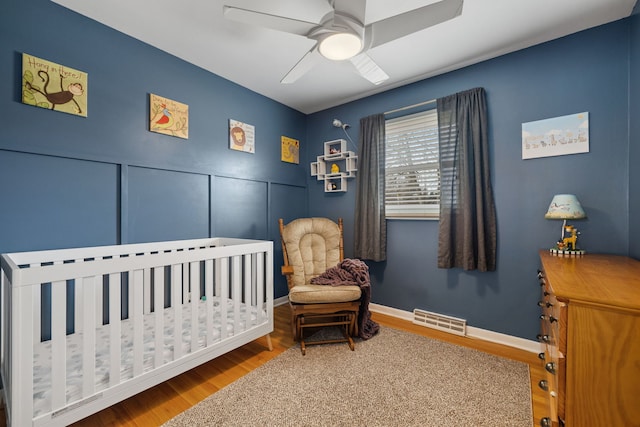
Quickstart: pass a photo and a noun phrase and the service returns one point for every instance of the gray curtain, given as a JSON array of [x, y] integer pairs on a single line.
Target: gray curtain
[[467, 234], [370, 233]]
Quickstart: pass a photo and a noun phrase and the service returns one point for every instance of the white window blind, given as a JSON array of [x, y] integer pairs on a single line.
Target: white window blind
[[412, 173]]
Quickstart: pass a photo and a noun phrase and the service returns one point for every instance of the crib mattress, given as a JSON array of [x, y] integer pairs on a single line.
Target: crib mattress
[[42, 350]]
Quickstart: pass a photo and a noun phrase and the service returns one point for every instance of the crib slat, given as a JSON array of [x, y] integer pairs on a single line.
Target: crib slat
[[79, 307], [58, 345], [222, 273], [115, 329], [185, 287], [248, 295], [208, 295], [194, 284], [147, 291], [136, 289], [236, 293], [259, 287], [90, 287], [158, 309], [177, 285], [37, 311]]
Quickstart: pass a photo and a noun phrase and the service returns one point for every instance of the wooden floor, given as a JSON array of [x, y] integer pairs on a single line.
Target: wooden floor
[[162, 402]]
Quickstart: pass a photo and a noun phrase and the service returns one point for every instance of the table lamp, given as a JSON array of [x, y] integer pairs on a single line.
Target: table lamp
[[564, 207]]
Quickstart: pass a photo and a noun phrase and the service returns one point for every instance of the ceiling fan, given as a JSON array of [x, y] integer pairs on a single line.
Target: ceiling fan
[[341, 33]]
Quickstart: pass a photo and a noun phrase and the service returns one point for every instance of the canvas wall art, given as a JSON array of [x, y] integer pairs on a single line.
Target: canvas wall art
[[557, 136], [168, 117], [46, 84], [290, 150], [242, 136]]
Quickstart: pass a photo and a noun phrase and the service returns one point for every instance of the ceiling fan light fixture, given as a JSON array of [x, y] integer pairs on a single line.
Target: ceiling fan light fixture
[[340, 46]]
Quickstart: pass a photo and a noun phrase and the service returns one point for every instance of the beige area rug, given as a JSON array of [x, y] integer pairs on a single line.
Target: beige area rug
[[394, 379]]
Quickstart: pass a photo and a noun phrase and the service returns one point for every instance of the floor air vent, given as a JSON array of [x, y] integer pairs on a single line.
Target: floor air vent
[[439, 321]]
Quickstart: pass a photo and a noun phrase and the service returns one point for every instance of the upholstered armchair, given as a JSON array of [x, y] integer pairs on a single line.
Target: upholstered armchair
[[310, 247]]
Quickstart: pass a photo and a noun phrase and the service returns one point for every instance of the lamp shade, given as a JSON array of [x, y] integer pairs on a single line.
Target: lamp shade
[[565, 206]]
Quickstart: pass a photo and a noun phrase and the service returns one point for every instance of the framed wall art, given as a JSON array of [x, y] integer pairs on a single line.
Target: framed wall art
[[168, 117], [557, 136], [53, 86], [242, 136], [290, 150]]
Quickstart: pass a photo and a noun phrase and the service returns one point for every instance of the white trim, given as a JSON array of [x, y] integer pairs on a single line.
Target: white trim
[[478, 333], [390, 311], [281, 301]]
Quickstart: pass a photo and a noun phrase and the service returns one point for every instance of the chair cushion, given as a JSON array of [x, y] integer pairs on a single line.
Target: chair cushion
[[307, 294], [313, 246]]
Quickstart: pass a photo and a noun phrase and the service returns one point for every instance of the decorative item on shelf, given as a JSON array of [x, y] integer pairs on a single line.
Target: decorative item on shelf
[[564, 207], [335, 168]]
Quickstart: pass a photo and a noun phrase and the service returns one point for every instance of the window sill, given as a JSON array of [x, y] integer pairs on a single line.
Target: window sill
[[412, 218]]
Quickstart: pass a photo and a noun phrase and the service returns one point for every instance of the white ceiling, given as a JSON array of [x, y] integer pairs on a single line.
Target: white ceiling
[[257, 58]]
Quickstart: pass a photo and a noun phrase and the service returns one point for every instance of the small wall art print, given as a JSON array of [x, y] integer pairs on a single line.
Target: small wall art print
[[168, 117], [290, 150], [53, 86], [242, 136], [557, 136]]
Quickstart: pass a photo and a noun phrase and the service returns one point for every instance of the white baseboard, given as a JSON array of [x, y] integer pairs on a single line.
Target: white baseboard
[[478, 333], [281, 301]]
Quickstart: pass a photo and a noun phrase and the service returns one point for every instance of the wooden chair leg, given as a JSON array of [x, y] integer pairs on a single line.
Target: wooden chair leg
[[354, 324], [300, 332], [294, 327]]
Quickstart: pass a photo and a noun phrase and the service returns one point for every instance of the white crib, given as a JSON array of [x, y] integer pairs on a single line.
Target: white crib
[[84, 328]]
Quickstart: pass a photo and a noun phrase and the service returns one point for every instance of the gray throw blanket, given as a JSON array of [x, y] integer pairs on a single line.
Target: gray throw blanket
[[353, 272]]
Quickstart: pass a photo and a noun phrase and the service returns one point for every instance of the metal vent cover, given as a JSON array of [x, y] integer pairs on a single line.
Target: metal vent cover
[[441, 322]]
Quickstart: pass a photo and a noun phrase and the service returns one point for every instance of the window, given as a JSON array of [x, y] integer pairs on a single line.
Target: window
[[412, 172]]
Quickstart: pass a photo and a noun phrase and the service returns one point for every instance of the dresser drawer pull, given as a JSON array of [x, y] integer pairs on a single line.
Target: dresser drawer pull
[[543, 385], [544, 338], [541, 356], [550, 367], [545, 422]]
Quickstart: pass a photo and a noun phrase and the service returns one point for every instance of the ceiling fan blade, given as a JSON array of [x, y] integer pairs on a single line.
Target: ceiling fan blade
[[369, 69], [398, 26], [352, 8], [305, 64], [279, 23]]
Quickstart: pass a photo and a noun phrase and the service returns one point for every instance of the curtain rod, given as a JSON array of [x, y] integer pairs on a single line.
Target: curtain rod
[[419, 104]]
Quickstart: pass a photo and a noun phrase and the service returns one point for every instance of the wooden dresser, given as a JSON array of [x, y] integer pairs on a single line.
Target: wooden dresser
[[590, 330]]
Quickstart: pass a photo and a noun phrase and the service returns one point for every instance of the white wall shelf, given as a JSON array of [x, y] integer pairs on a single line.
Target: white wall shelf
[[335, 166]]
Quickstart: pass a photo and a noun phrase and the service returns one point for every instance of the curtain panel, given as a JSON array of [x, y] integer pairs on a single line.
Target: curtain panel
[[467, 235], [370, 233]]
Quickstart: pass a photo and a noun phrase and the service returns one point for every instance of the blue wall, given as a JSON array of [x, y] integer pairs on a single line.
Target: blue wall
[[70, 181], [588, 71], [634, 137]]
